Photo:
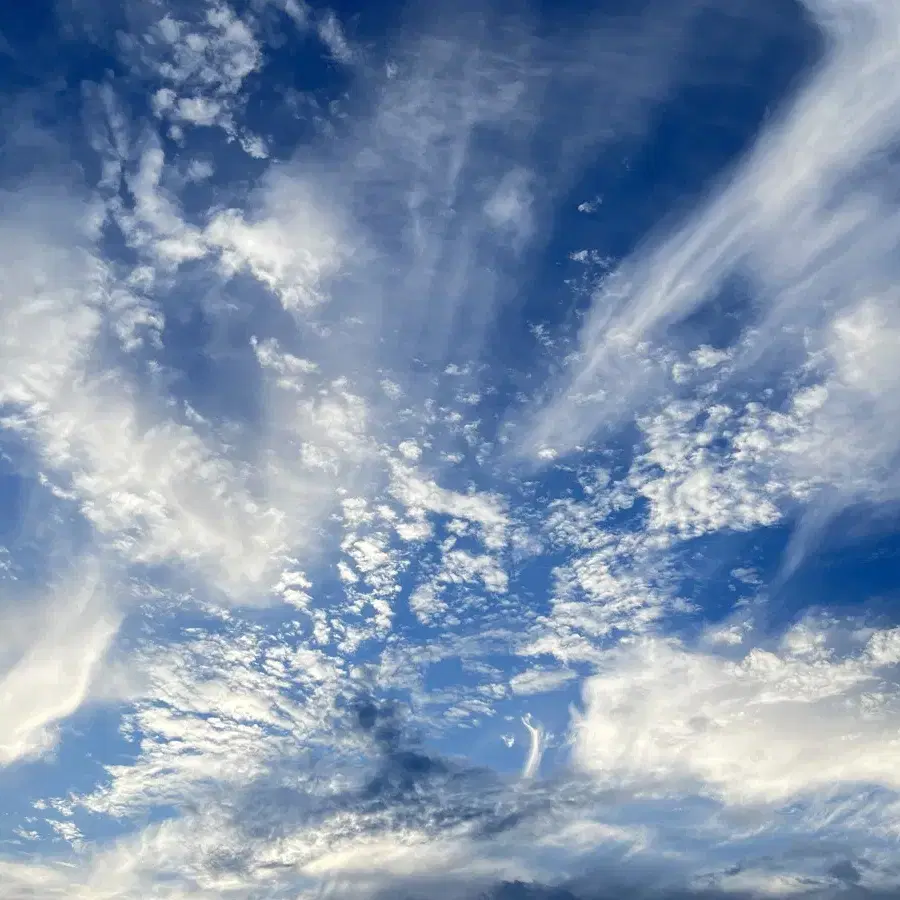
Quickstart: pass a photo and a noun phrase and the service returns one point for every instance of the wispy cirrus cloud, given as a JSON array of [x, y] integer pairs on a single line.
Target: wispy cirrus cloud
[[51, 658], [802, 221]]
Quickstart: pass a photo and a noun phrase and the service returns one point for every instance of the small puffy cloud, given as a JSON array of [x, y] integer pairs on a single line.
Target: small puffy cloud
[[410, 450], [484, 510], [540, 681], [590, 206]]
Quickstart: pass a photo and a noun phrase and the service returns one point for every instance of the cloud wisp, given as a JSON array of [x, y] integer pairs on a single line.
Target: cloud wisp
[[803, 223]]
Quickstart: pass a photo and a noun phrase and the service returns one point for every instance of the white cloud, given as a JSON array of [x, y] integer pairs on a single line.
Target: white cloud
[[509, 207], [535, 749], [198, 110], [694, 479], [540, 681], [155, 223], [110, 137], [462, 571], [801, 220], [86, 428], [590, 206], [203, 63], [486, 511], [426, 602], [707, 357], [51, 652], [217, 712], [332, 35], [158, 487], [154, 490], [391, 281], [410, 450], [613, 582], [291, 246], [851, 441], [765, 726], [371, 567]]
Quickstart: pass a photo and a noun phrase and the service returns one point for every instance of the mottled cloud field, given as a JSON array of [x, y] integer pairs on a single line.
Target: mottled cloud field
[[449, 451]]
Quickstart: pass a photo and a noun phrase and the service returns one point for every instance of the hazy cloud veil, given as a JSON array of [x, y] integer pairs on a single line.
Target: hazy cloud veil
[[449, 450]]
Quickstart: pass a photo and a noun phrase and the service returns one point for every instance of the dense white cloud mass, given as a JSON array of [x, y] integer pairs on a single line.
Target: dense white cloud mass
[[408, 493], [763, 727]]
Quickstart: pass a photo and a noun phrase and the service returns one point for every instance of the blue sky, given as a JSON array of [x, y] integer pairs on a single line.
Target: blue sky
[[449, 451]]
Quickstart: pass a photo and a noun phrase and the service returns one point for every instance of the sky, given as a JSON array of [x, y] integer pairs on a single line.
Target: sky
[[449, 451]]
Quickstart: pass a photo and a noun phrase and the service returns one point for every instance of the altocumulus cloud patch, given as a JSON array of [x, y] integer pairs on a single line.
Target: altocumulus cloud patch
[[449, 452]]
